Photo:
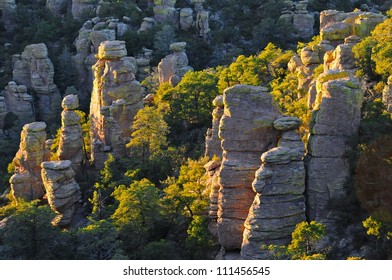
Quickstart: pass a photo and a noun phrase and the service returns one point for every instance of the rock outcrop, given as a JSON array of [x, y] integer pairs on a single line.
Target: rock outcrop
[[26, 183], [115, 100], [35, 70], [71, 134], [213, 143], [279, 204], [19, 102], [7, 10], [298, 15], [202, 19], [335, 122], [3, 111], [80, 7], [57, 7], [62, 191], [335, 26], [165, 12], [246, 130], [174, 66], [387, 95]]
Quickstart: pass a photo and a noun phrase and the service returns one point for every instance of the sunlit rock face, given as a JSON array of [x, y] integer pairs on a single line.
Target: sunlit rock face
[[115, 100]]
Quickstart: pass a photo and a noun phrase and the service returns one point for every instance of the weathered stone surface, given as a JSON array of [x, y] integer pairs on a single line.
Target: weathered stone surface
[[79, 7], [279, 203], [34, 69], [165, 12], [213, 143], [57, 7], [71, 134], [112, 50], [287, 123], [62, 191], [147, 24], [26, 183], [387, 95], [336, 121], [174, 66], [7, 8], [115, 100], [18, 101], [246, 130], [99, 36], [186, 18]]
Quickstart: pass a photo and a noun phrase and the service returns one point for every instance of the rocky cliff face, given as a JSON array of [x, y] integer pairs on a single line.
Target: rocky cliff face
[[387, 95], [174, 66], [19, 102], [115, 100], [26, 183], [213, 143], [279, 184], [247, 131], [35, 70], [62, 191], [71, 135]]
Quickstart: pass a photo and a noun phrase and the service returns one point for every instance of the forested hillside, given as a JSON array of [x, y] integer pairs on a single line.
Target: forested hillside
[[195, 129]]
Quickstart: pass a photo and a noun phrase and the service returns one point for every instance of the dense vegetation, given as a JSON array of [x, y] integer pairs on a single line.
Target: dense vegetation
[[153, 204]]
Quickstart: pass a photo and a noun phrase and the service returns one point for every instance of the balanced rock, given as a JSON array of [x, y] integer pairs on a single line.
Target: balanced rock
[[62, 191], [26, 183], [71, 135], [246, 130]]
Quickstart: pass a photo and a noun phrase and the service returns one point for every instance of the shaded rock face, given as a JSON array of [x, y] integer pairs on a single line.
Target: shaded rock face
[[57, 7], [335, 121], [115, 100], [298, 15], [279, 185], [3, 111], [7, 10], [71, 134], [174, 66], [26, 183], [35, 70], [165, 12], [79, 7], [212, 169], [202, 19], [213, 143], [61, 188], [335, 26], [246, 130], [19, 102]]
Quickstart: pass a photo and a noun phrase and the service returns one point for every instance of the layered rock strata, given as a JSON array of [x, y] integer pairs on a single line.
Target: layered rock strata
[[115, 100], [174, 66], [202, 19], [19, 102], [298, 15], [62, 191], [71, 134], [246, 130], [165, 12], [279, 184], [35, 70], [26, 183]]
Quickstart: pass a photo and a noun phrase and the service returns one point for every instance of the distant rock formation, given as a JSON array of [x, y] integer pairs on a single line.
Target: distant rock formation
[[246, 130], [298, 15], [71, 134], [80, 7], [202, 19], [62, 191], [19, 102], [57, 7], [115, 100], [174, 66], [165, 12], [26, 183], [35, 70], [3, 111], [279, 204], [7, 9]]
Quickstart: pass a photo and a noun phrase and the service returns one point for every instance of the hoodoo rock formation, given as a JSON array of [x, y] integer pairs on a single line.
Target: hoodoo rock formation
[[213, 143], [115, 100], [246, 130], [7, 10], [165, 12], [279, 204], [71, 135], [80, 7], [62, 191], [19, 102], [387, 95], [174, 66], [26, 183], [35, 70]]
